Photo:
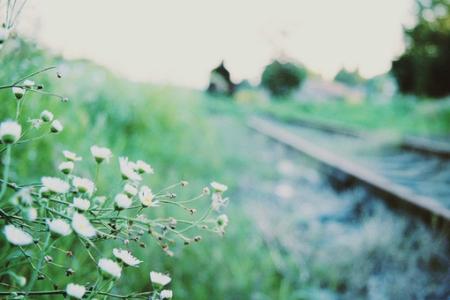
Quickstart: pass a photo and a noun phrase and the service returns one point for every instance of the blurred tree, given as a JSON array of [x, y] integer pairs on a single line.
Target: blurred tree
[[424, 68], [220, 81], [282, 78], [350, 78]]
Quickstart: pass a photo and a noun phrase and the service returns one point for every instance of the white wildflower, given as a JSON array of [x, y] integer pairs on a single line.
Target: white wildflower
[[24, 197], [100, 154], [17, 236], [35, 123], [146, 196], [121, 201], [44, 192], [55, 185], [127, 169], [66, 167], [126, 257], [70, 156], [83, 185], [110, 267], [218, 187], [56, 126], [81, 204], [218, 201], [206, 191], [18, 92], [142, 167], [222, 221], [59, 227], [130, 190], [75, 290], [28, 83], [166, 294], [82, 226], [46, 116], [30, 214], [10, 131], [99, 200], [159, 278]]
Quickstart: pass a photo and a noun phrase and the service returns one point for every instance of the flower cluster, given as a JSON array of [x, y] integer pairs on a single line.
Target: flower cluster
[[71, 214]]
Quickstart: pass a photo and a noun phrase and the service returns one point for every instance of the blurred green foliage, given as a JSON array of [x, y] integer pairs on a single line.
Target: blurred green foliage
[[399, 116], [281, 78], [178, 131], [424, 68], [167, 127], [350, 78]]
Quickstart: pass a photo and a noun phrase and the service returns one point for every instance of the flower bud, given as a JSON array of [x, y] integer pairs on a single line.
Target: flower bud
[[10, 132], [56, 126], [20, 280], [18, 92], [206, 191], [69, 272], [46, 116]]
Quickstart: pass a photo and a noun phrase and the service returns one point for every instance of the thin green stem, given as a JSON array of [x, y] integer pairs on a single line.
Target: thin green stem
[[97, 172], [35, 274], [18, 105], [7, 164]]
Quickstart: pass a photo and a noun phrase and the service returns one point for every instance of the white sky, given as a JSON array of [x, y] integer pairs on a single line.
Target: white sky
[[179, 42]]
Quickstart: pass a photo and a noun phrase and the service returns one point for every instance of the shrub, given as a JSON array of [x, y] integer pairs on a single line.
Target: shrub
[[350, 78], [282, 78]]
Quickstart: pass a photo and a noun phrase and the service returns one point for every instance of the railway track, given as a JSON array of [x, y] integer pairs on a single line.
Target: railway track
[[407, 179], [423, 145]]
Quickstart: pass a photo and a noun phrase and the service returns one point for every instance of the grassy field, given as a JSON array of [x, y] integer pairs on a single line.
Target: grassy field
[[169, 128], [187, 135], [400, 115]]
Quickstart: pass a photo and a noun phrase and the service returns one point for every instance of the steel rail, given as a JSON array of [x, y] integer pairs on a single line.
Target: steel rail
[[420, 144], [395, 194]]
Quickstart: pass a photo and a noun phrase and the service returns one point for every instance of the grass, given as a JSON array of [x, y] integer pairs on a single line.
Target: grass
[[169, 128], [400, 115]]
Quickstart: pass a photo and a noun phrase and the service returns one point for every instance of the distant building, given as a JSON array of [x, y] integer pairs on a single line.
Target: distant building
[[220, 81]]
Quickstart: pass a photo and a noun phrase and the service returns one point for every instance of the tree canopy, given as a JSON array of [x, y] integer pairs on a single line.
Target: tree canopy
[[424, 68]]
